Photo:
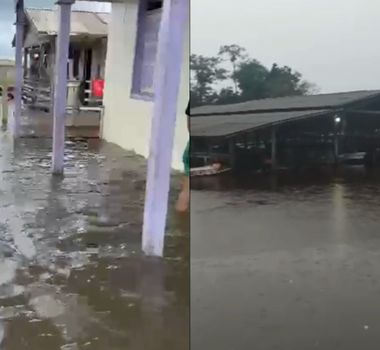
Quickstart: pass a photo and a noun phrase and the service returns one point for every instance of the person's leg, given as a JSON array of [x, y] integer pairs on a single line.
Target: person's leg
[[184, 197]]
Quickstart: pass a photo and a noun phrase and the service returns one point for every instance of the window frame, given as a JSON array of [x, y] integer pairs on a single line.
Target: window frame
[[136, 91]]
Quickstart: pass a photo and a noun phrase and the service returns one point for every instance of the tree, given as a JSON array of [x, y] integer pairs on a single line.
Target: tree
[[251, 76], [234, 54], [205, 74], [251, 79], [282, 81], [226, 96]]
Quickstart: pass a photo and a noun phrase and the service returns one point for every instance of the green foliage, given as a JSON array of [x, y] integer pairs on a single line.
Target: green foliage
[[251, 80], [205, 73]]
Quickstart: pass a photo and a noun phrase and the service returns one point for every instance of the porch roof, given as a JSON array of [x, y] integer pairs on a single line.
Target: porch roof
[[45, 21]]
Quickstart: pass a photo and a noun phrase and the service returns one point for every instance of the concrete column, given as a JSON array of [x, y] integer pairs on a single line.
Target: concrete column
[[19, 66], [60, 86], [52, 59], [274, 148], [175, 19], [4, 104]]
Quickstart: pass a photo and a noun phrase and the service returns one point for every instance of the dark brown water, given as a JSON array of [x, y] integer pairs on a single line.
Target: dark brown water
[[289, 262], [72, 275]]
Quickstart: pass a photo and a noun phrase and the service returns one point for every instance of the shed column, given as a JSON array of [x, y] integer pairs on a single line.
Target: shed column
[[232, 152], [274, 148], [175, 19], [19, 67], [337, 129], [60, 85]]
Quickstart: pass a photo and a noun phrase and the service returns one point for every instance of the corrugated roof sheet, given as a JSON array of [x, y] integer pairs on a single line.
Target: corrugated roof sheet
[[289, 103], [90, 23], [225, 125]]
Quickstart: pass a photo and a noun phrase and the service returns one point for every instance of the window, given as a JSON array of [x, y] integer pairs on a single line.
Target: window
[[73, 65], [146, 48]]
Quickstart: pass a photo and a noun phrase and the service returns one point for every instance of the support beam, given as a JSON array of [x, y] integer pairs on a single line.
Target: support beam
[[60, 89], [363, 112], [336, 149], [232, 152], [20, 18], [337, 130], [174, 23], [4, 104], [274, 148]]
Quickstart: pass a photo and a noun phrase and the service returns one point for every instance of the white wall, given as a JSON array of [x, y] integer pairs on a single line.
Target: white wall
[[91, 6], [127, 121]]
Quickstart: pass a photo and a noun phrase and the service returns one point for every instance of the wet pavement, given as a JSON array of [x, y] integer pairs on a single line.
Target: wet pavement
[[72, 275], [289, 262]]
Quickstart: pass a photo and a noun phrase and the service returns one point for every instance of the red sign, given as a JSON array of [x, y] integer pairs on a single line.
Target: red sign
[[97, 88]]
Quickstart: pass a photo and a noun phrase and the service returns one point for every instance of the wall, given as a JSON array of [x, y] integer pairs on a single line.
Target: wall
[[127, 121]]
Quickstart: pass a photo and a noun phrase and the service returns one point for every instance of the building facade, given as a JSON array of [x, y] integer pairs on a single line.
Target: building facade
[[129, 75]]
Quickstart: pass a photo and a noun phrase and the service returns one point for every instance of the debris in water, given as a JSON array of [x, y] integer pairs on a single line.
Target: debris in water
[[92, 248], [47, 307], [72, 346], [34, 320]]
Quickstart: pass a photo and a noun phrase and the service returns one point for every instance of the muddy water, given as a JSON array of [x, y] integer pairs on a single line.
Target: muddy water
[[288, 262], [71, 272]]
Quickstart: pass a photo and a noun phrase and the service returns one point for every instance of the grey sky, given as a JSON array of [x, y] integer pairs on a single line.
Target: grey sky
[[333, 43]]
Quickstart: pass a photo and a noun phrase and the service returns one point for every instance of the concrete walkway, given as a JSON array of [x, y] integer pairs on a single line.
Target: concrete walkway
[[71, 272]]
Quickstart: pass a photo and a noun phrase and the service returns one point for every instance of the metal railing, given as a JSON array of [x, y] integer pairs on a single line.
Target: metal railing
[[37, 93]]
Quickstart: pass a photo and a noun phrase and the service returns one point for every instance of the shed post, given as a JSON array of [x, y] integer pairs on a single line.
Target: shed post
[[60, 89], [175, 19], [274, 147], [19, 66], [232, 152], [337, 128]]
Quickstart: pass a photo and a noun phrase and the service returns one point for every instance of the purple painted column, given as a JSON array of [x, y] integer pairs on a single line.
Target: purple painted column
[[60, 85], [175, 19], [19, 66]]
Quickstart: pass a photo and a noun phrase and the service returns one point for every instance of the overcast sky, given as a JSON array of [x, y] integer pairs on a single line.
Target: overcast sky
[[333, 43]]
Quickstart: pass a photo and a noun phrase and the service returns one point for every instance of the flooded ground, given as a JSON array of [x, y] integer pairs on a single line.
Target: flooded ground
[[71, 272], [288, 262]]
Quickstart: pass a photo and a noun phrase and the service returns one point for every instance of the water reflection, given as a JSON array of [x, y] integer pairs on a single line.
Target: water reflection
[[71, 272], [286, 262]]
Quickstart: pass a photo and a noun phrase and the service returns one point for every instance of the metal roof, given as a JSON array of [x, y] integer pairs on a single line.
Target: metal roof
[[227, 120], [230, 124], [82, 23], [288, 103]]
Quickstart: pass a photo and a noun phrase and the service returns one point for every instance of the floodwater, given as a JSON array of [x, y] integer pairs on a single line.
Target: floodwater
[[72, 275], [288, 262]]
